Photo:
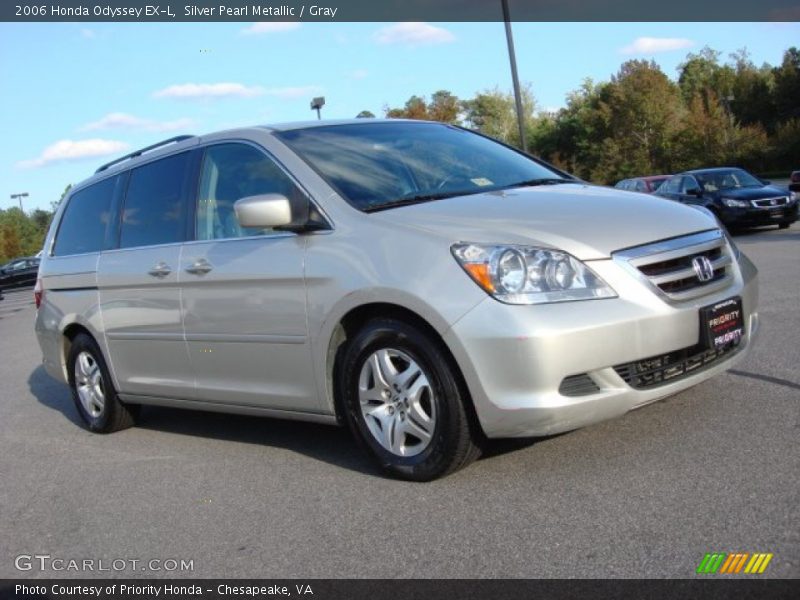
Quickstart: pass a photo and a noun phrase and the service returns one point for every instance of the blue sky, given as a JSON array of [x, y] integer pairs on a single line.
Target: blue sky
[[78, 94]]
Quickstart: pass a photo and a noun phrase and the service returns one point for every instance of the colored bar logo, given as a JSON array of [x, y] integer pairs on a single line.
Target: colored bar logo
[[724, 563]]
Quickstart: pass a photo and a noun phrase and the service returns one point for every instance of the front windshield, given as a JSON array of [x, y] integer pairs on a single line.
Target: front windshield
[[379, 165], [726, 180]]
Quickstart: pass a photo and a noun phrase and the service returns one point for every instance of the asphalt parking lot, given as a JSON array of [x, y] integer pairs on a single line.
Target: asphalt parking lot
[[716, 468]]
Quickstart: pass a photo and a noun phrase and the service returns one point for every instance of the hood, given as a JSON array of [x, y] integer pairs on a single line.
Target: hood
[[589, 222], [752, 193]]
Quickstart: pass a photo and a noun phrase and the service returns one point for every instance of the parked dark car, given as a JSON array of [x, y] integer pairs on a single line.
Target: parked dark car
[[794, 183], [645, 185], [736, 197], [19, 272]]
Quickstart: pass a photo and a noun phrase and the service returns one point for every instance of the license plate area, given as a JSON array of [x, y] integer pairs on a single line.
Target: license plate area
[[722, 324]]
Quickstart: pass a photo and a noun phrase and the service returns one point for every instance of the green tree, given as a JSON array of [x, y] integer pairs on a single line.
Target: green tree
[[415, 108], [10, 244], [787, 86], [365, 114], [752, 100], [444, 107], [639, 112], [494, 113]]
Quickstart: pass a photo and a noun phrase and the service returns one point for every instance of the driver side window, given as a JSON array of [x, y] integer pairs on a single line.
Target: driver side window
[[229, 173], [688, 183]]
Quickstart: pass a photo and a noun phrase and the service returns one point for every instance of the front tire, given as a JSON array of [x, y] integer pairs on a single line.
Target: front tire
[[784, 225], [404, 403], [92, 390]]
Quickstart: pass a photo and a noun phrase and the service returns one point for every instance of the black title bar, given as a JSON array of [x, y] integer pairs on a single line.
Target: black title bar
[[398, 10], [372, 589]]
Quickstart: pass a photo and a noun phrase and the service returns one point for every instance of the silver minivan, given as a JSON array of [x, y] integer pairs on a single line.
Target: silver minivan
[[425, 285]]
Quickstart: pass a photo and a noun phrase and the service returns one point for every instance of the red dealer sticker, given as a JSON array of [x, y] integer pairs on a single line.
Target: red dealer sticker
[[722, 324]]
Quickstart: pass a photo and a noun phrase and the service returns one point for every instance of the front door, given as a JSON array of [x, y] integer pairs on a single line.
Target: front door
[[243, 292]]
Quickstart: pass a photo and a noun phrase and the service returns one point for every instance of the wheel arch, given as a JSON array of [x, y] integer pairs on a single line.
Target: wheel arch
[[351, 322]]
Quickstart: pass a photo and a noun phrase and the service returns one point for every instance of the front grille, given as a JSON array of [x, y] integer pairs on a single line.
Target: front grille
[[669, 265], [578, 385], [667, 368], [767, 202]]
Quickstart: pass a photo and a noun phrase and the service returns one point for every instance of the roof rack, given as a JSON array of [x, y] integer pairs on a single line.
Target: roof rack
[[172, 140]]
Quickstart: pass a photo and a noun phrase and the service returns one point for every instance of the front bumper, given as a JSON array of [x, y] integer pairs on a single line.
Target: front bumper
[[515, 358], [754, 217]]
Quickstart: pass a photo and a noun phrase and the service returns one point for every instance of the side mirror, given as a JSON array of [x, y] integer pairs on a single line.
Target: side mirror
[[263, 211], [695, 192]]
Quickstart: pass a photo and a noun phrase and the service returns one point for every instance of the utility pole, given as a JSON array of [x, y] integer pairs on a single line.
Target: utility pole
[[515, 79]]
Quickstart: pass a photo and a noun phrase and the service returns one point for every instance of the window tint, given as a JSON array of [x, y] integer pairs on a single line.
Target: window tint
[[688, 183], [671, 186], [726, 179], [231, 172], [154, 203], [378, 164], [83, 226]]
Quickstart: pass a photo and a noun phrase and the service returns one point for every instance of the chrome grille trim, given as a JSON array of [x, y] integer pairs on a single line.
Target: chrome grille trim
[[718, 263], [767, 202], [666, 265]]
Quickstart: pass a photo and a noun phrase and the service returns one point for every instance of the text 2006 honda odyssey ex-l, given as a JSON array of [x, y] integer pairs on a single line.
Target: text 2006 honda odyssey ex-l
[[424, 284]]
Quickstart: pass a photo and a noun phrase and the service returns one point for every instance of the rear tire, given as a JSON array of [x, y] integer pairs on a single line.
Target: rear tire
[[403, 402], [93, 391], [784, 225]]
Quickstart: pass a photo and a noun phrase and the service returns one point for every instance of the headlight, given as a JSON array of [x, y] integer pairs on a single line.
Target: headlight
[[734, 203], [530, 275]]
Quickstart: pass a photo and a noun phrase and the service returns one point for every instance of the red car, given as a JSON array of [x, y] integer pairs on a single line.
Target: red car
[[794, 182], [645, 185]]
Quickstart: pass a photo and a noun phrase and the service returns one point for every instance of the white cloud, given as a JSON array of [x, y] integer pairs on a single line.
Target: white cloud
[[413, 34], [209, 90], [359, 74], [289, 93], [70, 150], [270, 27], [651, 45], [126, 121], [88, 33]]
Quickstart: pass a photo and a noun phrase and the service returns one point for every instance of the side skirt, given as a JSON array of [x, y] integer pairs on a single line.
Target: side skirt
[[239, 409]]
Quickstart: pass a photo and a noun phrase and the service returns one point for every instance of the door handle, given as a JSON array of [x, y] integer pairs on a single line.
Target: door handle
[[199, 267], [160, 269]]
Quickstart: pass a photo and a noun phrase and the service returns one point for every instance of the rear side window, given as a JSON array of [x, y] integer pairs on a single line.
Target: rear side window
[[154, 203], [86, 217]]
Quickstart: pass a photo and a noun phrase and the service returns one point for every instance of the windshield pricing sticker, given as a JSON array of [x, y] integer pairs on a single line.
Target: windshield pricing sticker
[[482, 181]]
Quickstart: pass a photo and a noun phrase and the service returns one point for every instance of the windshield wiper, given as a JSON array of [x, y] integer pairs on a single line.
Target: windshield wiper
[[540, 181], [409, 200]]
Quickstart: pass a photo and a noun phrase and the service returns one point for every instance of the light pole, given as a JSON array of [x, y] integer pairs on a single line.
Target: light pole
[[317, 104], [515, 80], [19, 197]]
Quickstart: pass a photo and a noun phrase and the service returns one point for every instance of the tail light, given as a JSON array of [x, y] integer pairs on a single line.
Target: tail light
[[38, 293]]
